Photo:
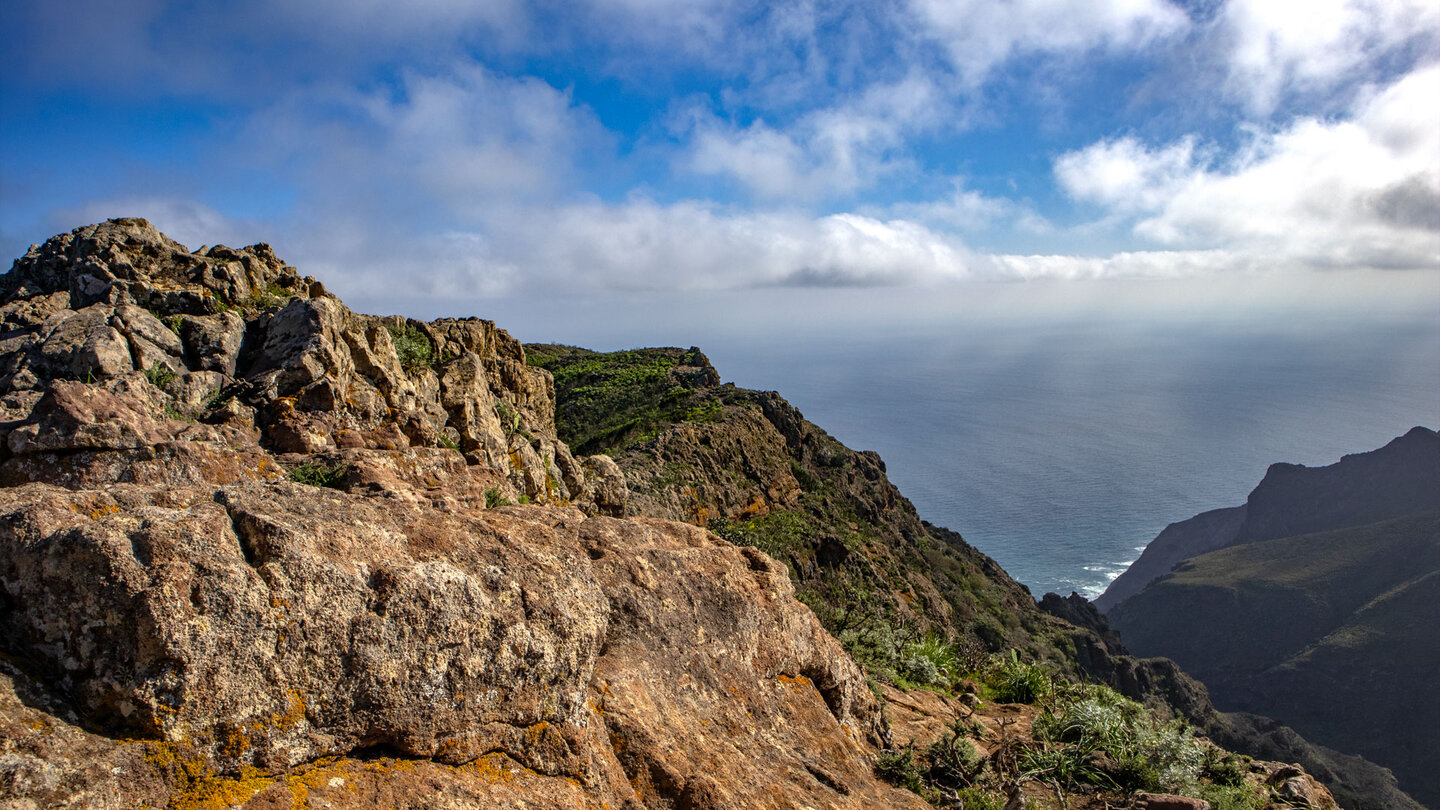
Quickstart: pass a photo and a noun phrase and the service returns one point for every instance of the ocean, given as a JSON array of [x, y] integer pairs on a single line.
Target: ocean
[[1058, 428]]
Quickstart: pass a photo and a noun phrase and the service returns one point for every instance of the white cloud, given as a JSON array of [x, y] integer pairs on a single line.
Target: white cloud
[[640, 244], [966, 209], [834, 150], [437, 148], [1279, 48], [981, 35], [1346, 193]]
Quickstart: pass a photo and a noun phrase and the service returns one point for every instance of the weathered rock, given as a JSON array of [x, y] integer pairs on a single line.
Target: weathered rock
[[1166, 801], [268, 625]]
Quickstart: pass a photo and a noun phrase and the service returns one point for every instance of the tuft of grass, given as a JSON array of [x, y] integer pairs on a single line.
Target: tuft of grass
[[1014, 681], [318, 475], [172, 412], [493, 498], [269, 298], [931, 660]]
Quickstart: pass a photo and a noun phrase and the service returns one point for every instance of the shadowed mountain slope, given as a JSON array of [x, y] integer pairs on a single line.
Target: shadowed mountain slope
[[1330, 632]]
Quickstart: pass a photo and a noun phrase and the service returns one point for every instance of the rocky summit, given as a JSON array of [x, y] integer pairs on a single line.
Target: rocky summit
[[257, 550]]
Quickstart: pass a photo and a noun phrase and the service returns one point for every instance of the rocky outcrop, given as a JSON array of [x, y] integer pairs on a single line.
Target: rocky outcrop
[[238, 338], [248, 631]]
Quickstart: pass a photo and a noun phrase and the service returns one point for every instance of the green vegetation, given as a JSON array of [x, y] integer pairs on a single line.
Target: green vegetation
[[493, 498], [172, 412], [1086, 738], [272, 296], [318, 475], [605, 402], [174, 322], [413, 347], [1011, 680], [160, 375]]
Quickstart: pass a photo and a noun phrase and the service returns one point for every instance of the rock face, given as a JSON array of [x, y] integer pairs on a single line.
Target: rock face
[[184, 624], [1311, 628]]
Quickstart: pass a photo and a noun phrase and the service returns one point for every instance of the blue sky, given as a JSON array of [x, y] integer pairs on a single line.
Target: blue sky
[[467, 150]]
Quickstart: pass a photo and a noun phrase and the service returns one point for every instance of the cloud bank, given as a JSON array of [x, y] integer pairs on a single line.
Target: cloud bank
[[524, 148]]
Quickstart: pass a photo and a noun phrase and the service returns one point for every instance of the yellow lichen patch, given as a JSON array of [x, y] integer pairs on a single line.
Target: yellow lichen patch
[[497, 768], [196, 785], [40, 724], [796, 683]]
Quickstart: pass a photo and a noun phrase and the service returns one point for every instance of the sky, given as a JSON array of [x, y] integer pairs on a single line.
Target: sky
[[447, 150]]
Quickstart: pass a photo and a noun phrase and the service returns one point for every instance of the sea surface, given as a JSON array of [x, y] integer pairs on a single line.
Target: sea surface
[[1059, 429]]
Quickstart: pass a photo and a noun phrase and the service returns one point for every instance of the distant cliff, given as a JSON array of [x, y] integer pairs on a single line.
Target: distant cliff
[[1401, 478], [1319, 607]]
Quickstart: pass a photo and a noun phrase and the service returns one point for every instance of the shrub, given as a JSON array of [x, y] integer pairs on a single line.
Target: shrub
[[318, 475], [931, 660], [412, 346], [160, 375], [974, 799], [897, 766], [493, 498], [1147, 752], [953, 758]]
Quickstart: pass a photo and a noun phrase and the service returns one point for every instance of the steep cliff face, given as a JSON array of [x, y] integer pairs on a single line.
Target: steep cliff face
[[1311, 629], [748, 465]]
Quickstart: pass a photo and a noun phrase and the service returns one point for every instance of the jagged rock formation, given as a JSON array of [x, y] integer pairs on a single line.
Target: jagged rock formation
[[1310, 628], [239, 340]]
